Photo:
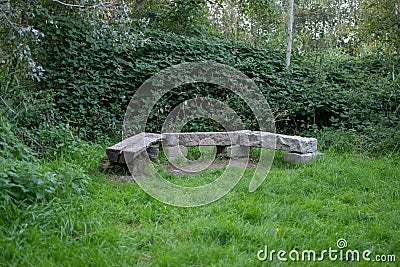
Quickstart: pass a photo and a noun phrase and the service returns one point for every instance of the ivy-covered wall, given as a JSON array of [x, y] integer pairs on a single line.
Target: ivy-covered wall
[[94, 74]]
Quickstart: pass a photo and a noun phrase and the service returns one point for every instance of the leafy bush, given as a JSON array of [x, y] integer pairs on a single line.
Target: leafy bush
[[94, 77], [48, 139], [24, 178]]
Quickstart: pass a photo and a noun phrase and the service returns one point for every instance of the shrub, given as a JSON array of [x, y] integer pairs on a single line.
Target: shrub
[[23, 177]]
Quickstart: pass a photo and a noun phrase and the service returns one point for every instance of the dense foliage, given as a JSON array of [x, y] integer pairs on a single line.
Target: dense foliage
[[23, 177], [94, 78]]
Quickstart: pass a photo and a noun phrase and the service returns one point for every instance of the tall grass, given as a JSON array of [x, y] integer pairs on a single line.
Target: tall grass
[[344, 195]]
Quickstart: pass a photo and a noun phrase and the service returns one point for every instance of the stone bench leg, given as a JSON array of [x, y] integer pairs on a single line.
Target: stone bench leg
[[138, 165], [238, 151]]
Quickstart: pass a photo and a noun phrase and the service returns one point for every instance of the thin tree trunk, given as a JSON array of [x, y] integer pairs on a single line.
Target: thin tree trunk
[[24, 18], [289, 33]]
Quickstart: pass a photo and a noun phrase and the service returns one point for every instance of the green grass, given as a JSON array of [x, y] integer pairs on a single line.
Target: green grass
[[304, 207]]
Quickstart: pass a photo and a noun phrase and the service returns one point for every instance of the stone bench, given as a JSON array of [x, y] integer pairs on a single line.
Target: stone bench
[[236, 144]]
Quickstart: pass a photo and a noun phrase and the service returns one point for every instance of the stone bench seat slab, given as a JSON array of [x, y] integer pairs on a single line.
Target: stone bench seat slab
[[200, 138], [134, 145], [244, 138]]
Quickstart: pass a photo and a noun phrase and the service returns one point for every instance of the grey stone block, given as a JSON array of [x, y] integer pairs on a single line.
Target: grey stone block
[[138, 165], [297, 158], [200, 138], [238, 151], [277, 141], [244, 138], [296, 144], [133, 146]]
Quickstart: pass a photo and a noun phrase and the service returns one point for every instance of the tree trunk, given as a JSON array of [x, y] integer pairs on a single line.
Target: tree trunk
[[289, 33]]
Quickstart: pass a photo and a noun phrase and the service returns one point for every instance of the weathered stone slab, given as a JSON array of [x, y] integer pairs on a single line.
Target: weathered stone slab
[[134, 145], [257, 139], [277, 141], [200, 138], [297, 158], [244, 138], [296, 143], [238, 151]]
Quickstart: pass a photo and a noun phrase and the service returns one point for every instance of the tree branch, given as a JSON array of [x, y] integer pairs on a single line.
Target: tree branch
[[80, 6], [12, 24]]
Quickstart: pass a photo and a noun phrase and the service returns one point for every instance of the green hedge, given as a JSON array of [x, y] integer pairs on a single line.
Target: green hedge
[[94, 76]]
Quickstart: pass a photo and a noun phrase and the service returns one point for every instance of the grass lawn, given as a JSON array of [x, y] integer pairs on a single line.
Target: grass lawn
[[305, 207]]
